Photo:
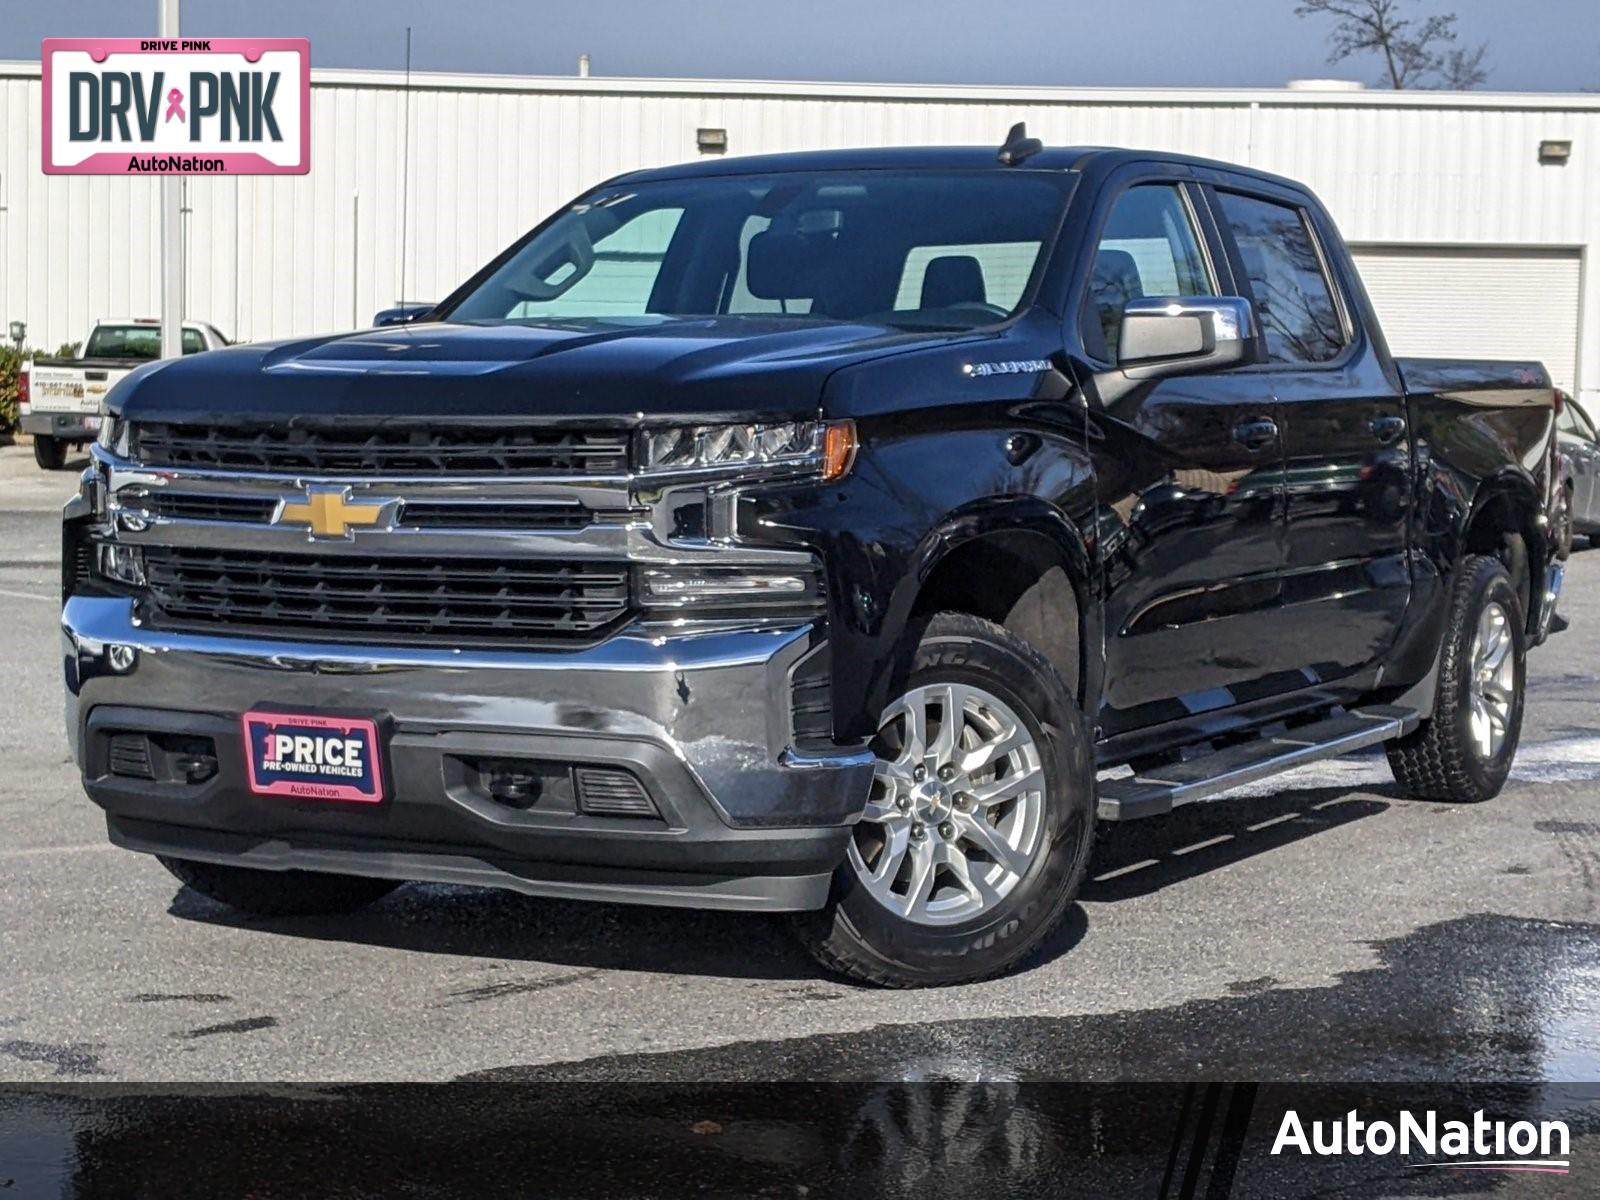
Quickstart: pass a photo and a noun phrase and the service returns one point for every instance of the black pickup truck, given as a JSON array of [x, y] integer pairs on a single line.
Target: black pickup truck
[[833, 533]]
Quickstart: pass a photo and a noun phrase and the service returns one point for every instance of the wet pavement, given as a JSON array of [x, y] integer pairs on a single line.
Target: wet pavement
[[1481, 997], [757, 1141]]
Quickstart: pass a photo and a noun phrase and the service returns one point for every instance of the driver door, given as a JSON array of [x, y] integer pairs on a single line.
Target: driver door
[[1191, 487]]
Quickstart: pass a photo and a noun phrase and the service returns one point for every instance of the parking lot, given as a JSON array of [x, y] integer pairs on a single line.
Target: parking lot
[[1316, 926]]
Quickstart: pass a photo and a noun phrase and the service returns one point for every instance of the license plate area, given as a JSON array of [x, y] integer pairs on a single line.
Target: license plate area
[[313, 756]]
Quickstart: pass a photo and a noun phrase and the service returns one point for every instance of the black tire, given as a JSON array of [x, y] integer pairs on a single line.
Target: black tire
[[279, 893], [49, 452], [858, 937], [1441, 760]]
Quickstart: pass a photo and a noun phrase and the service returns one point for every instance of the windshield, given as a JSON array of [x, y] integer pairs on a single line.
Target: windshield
[[936, 249], [135, 341]]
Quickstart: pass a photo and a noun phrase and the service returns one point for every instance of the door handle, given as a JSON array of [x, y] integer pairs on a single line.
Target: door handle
[[1387, 429], [1256, 435]]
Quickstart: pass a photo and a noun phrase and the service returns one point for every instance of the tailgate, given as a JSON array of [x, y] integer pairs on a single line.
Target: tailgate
[[62, 388]]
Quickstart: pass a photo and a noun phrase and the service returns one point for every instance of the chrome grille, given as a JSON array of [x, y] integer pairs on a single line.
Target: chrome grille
[[414, 514], [446, 600], [382, 450]]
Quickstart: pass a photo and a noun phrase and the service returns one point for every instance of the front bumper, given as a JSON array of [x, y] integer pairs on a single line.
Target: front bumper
[[700, 720], [71, 427]]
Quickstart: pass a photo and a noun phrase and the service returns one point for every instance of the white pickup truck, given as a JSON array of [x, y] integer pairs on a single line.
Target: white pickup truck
[[61, 400]]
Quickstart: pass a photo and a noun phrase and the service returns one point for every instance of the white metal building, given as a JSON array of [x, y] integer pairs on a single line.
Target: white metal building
[[1471, 242]]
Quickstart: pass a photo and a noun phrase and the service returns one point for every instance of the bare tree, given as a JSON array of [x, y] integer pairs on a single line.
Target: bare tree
[[1463, 70], [1417, 50]]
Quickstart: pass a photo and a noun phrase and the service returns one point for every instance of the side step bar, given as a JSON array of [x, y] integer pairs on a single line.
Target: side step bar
[[1162, 789]]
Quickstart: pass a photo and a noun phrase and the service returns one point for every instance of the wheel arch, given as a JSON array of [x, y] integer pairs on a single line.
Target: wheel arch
[[1022, 565], [1505, 522]]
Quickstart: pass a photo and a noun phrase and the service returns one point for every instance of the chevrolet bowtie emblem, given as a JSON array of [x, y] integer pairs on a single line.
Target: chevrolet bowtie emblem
[[330, 513]]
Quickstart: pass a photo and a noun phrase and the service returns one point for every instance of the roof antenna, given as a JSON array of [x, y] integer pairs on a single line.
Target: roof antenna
[[1019, 145]]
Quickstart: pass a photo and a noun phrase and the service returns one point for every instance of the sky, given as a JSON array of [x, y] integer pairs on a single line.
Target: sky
[[1534, 45]]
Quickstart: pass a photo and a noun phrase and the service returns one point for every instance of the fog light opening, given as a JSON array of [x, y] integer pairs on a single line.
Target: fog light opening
[[121, 658]]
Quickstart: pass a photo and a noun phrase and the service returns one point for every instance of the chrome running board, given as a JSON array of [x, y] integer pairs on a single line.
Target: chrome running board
[[1161, 789]]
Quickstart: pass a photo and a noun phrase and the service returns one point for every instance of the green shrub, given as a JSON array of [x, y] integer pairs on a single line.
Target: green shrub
[[10, 362]]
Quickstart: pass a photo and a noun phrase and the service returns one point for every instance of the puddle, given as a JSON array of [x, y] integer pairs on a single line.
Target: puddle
[[1481, 997]]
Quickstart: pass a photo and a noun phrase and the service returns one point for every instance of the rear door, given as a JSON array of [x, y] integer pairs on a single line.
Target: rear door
[[1190, 475], [1347, 461]]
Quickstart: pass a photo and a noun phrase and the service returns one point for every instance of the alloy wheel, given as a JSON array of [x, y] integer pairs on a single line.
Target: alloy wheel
[[957, 806], [1493, 680]]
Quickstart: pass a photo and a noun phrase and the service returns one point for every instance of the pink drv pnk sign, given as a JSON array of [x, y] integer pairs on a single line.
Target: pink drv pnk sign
[[177, 106]]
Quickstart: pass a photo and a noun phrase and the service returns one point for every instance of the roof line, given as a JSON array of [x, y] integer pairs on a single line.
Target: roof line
[[955, 93]]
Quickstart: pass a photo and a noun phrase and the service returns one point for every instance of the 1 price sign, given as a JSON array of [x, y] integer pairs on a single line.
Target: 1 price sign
[[177, 106]]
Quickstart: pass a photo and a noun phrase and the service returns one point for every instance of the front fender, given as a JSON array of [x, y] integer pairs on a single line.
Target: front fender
[[924, 485]]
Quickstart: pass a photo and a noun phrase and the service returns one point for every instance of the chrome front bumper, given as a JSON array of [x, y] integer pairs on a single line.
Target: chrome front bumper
[[702, 719]]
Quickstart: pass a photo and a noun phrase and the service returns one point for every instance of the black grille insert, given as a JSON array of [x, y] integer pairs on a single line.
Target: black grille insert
[[386, 450], [447, 600], [811, 700], [612, 792], [510, 514], [129, 756], [191, 506]]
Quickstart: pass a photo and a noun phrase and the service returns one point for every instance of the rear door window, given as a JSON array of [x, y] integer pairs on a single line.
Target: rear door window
[[1294, 301]]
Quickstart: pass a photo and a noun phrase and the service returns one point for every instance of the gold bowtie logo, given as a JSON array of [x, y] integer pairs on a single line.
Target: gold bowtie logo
[[329, 512]]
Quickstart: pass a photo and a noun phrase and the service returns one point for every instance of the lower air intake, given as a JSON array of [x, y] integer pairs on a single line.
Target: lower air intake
[[612, 792], [130, 756]]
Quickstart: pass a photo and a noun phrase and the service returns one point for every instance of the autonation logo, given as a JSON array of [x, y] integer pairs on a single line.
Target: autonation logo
[[1479, 1145]]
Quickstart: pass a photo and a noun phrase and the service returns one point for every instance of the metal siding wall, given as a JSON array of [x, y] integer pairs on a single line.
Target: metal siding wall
[[1505, 304], [286, 256]]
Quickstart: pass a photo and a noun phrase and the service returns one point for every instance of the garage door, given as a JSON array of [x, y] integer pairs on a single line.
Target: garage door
[[1455, 303]]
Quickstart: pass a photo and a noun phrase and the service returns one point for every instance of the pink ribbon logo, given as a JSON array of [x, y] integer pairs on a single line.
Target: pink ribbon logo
[[175, 105]]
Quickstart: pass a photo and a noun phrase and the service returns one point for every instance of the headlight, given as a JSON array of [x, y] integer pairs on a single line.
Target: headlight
[[828, 448], [114, 435]]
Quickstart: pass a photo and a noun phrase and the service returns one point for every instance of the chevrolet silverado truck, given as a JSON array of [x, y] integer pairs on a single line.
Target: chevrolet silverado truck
[[61, 401], [841, 534]]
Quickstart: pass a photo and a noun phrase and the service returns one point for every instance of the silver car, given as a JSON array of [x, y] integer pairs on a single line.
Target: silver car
[[1579, 515]]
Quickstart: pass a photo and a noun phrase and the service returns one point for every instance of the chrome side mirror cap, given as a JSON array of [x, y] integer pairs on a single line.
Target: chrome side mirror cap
[[1185, 335]]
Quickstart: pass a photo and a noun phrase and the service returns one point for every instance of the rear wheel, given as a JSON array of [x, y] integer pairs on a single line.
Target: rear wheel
[[1463, 752], [279, 893], [977, 831], [49, 452]]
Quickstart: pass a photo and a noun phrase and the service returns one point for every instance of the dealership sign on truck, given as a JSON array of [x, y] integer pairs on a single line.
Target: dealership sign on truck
[[171, 106]]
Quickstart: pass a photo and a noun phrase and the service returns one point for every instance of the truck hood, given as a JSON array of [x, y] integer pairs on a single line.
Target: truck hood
[[611, 372]]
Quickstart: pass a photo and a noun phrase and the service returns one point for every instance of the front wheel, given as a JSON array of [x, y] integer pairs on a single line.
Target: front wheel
[[977, 831], [1463, 752]]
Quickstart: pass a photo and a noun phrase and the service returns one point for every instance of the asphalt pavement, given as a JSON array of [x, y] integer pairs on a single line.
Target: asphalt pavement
[[1316, 926]]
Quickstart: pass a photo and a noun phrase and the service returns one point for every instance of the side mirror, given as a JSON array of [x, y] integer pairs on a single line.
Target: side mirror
[[405, 314], [1185, 335]]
